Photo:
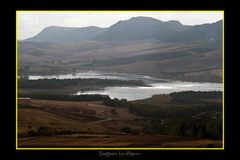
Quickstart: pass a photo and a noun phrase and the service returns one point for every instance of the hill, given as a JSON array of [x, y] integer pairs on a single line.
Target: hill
[[139, 28], [136, 28], [66, 34], [140, 45]]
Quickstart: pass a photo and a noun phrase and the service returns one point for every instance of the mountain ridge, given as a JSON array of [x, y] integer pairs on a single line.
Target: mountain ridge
[[135, 28], [139, 45], [59, 34]]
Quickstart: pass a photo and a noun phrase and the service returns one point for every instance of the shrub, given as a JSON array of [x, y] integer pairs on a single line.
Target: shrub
[[126, 130], [32, 133], [44, 131]]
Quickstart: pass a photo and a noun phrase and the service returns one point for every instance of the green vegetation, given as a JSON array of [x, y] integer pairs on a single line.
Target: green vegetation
[[196, 97], [186, 115], [24, 106], [63, 97], [203, 128], [192, 95], [147, 110], [116, 102], [154, 111], [59, 83], [126, 129], [47, 131]]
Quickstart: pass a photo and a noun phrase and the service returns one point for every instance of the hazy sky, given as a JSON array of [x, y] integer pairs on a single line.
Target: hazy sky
[[31, 23]]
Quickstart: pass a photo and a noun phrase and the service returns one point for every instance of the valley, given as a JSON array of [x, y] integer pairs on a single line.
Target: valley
[[159, 51], [139, 83]]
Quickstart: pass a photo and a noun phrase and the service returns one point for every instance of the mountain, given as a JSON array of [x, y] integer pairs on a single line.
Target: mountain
[[136, 28], [207, 32], [139, 28], [140, 45], [66, 34], [181, 61]]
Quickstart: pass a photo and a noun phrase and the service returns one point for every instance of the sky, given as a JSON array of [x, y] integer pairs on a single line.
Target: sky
[[31, 23]]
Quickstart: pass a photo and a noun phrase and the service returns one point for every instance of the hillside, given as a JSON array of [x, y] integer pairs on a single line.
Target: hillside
[[139, 28], [66, 34], [136, 28], [140, 45], [182, 119]]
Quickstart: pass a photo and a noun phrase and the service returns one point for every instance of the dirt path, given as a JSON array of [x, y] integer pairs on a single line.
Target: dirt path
[[105, 120]]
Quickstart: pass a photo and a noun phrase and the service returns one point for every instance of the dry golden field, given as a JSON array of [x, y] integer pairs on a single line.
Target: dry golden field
[[91, 124]]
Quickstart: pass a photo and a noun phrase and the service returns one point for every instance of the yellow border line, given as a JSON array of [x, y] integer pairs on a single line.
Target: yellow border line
[[120, 149], [17, 11], [223, 126], [120, 10], [16, 79]]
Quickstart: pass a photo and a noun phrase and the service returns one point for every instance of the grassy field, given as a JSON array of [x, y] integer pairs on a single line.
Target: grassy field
[[118, 141], [48, 123]]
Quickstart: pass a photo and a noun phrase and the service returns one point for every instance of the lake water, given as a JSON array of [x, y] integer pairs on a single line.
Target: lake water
[[157, 86], [99, 75]]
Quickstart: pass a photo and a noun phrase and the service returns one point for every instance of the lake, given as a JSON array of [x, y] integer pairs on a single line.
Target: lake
[[157, 86]]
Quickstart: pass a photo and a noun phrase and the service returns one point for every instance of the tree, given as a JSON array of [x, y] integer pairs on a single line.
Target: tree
[[182, 129], [126, 130], [44, 131], [195, 130], [113, 111]]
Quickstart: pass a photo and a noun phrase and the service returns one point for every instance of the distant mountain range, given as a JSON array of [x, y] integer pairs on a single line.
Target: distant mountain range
[[140, 45], [57, 34], [137, 28]]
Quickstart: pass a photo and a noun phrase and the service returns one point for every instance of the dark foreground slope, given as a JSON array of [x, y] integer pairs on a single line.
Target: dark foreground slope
[[184, 119]]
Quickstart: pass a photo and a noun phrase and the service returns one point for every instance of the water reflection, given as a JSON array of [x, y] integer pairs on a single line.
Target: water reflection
[[134, 93], [157, 86]]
